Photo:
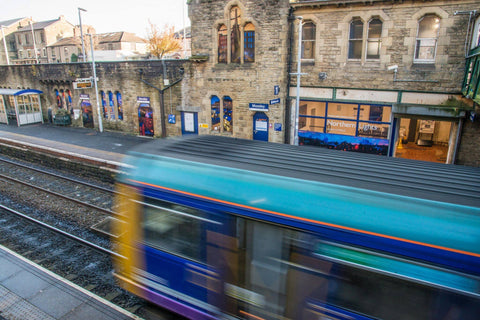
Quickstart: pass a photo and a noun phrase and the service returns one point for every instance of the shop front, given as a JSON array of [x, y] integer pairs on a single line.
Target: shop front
[[345, 126], [20, 106], [418, 132], [427, 133]]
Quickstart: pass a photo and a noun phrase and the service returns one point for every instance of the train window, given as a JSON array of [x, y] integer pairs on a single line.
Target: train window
[[173, 228]]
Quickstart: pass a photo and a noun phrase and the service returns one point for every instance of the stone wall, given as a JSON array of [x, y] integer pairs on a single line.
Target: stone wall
[[468, 153], [124, 77], [400, 24], [244, 83]]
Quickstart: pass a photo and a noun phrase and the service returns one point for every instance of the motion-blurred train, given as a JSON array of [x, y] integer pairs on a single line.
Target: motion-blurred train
[[223, 228]]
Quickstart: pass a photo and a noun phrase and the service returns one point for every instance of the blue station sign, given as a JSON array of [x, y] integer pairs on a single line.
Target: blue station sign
[[258, 107], [275, 101]]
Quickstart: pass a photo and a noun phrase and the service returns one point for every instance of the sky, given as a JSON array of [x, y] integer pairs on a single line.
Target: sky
[[104, 15]]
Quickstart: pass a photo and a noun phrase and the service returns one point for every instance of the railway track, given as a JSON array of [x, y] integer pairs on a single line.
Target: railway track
[[53, 219]]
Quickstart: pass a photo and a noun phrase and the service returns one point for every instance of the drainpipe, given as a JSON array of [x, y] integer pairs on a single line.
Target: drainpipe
[[288, 114], [163, 123]]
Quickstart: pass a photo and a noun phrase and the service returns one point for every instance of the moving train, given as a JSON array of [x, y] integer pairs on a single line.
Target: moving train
[[223, 228]]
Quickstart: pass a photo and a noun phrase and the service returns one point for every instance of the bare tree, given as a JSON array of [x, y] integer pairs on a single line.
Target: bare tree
[[162, 42]]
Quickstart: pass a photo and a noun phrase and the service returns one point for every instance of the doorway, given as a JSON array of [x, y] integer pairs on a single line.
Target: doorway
[[260, 126], [424, 139], [189, 123]]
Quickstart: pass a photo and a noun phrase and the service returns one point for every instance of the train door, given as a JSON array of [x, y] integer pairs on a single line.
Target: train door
[[260, 126], [250, 262]]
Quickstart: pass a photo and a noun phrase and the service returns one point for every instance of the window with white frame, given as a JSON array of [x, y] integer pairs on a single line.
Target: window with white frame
[[427, 37]]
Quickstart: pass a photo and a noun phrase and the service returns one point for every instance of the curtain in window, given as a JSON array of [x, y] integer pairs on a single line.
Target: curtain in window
[[427, 36]]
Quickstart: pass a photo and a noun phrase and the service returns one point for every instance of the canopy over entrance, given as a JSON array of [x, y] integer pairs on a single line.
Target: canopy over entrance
[[20, 106]]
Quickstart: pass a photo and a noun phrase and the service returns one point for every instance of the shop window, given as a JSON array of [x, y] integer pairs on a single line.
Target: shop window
[[249, 46], [355, 39], [235, 15], [345, 126], [215, 109], [222, 44], [374, 39], [227, 114], [119, 105], [313, 116], [308, 40], [427, 36]]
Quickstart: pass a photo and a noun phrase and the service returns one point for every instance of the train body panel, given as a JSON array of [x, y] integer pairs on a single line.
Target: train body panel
[[217, 240]]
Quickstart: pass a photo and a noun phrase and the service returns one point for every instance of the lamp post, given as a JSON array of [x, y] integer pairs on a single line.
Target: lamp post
[[34, 43], [100, 123], [5, 45], [298, 74], [81, 31]]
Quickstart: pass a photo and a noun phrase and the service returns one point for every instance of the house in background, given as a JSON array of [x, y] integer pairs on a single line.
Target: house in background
[[7, 37], [117, 46], [32, 40], [185, 36]]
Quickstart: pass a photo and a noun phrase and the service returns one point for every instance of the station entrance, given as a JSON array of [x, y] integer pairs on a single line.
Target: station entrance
[[20, 106]]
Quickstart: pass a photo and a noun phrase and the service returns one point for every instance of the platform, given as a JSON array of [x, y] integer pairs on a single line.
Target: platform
[[30, 292], [99, 148]]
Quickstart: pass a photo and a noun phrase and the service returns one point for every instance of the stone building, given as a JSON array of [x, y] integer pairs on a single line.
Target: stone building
[[7, 36], [379, 76], [384, 77], [32, 40], [240, 54]]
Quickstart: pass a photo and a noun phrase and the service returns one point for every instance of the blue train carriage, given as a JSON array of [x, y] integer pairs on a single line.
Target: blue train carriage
[[217, 227]]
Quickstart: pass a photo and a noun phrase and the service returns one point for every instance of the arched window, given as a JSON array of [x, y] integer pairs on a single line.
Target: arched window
[[427, 36], [227, 114], [308, 40], [68, 99], [222, 44], [235, 36], [215, 110], [355, 39], [110, 104], [58, 98], [374, 38], [104, 104], [119, 105], [249, 43]]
